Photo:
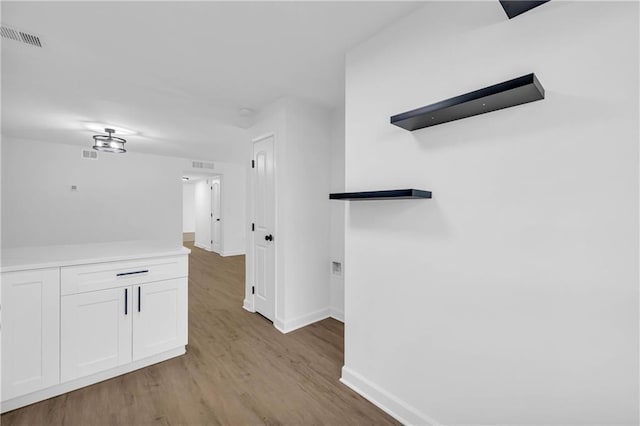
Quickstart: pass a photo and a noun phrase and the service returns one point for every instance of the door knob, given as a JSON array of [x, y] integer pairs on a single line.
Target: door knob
[[218, 220], [268, 237]]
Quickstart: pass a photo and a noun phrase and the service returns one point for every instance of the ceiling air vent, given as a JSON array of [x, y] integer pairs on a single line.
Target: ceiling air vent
[[89, 154], [201, 165], [20, 36]]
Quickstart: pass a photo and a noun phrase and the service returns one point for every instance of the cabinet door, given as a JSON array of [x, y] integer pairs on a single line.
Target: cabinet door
[[160, 317], [30, 331], [95, 331]]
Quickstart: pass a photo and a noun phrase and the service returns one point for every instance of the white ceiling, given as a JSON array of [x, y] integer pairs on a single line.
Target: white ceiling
[[175, 72]]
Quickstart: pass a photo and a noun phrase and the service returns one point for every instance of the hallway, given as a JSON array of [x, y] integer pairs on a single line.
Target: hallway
[[238, 370]]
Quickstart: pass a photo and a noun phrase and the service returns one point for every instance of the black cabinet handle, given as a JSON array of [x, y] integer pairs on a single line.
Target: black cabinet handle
[[139, 299], [122, 274], [126, 300], [268, 237]]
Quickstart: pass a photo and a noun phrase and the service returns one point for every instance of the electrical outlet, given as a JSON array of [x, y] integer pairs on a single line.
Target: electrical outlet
[[336, 268]]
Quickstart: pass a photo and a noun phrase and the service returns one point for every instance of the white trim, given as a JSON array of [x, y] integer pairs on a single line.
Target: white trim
[[247, 305], [239, 252], [384, 400], [219, 178], [61, 388], [202, 247], [285, 326], [336, 314], [279, 325], [263, 137]]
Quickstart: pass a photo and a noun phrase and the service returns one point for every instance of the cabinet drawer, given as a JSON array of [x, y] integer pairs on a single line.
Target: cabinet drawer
[[100, 276]]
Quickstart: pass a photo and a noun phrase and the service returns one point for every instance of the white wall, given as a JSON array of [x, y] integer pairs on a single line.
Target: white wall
[[306, 199], [511, 297], [336, 236], [188, 207], [119, 197], [302, 150]]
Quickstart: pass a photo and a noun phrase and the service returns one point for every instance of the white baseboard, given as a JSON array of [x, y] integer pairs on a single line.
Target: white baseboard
[[203, 247], [279, 325], [336, 314], [387, 402], [248, 305], [232, 253], [286, 326], [65, 387]]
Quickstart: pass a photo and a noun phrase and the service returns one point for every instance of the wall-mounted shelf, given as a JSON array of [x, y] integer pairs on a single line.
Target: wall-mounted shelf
[[514, 8], [393, 194], [510, 93]]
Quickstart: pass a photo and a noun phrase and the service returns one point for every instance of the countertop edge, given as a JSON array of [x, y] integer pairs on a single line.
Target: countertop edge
[[90, 260]]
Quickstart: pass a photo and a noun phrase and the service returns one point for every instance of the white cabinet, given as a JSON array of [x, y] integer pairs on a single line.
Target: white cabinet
[[108, 328], [135, 313], [30, 331], [69, 323], [160, 317], [95, 332]]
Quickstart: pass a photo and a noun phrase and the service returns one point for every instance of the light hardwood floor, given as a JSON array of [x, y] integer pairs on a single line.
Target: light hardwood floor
[[238, 370]]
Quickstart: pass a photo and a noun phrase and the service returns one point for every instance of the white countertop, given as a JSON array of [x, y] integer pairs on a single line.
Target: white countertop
[[23, 258]]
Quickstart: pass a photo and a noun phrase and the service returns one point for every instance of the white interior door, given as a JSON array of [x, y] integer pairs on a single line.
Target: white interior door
[[203, 214], [216, 216], [264, 227]]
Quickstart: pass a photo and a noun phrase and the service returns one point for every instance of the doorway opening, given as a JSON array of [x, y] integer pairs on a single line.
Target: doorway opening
[[202, 211]]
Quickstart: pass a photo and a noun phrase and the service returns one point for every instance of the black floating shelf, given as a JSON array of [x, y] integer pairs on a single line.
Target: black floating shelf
[[510, 93], [514, 8], [393, 194]]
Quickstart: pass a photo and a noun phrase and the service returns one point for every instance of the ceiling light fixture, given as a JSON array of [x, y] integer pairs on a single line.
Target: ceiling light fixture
[[109, 143]]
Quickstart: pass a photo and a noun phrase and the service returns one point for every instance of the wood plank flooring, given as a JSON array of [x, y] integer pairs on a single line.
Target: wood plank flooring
[[238, 370]]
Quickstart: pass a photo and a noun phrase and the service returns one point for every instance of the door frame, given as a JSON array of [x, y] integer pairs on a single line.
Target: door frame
[[249, 300], [208, 177], [220, 178]]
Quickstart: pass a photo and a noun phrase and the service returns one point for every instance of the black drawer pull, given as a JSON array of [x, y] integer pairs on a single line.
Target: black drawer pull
[[122, 274], [126, 301]]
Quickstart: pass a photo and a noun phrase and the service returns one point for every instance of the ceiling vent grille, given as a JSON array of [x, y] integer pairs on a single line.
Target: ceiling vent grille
[[20, 36], [201, 165], [89, 154]]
